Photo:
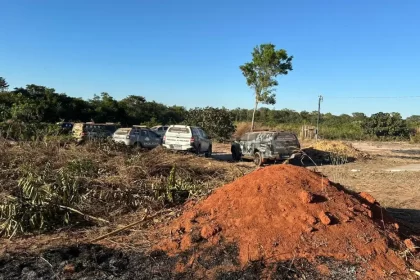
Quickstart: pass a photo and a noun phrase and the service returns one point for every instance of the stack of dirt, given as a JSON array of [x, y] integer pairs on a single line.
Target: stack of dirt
[[292, 217], [328, 150]]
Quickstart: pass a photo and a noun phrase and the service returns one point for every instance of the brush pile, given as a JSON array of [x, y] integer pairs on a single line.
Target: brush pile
[[45, 186], [335, 152]]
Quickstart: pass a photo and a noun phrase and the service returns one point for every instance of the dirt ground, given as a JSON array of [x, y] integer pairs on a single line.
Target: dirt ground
[[384, 176], [67, 254]]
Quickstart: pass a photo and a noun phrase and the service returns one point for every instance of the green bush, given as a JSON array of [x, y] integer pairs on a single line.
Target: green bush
[[217, 123], [32, 131], [386, 125], [44, 200]]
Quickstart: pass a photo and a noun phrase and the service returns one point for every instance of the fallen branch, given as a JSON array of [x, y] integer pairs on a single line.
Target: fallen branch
[[415, 272], [83, 214], [144, 219]]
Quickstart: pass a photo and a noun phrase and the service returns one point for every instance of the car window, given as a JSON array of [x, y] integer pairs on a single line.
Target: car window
[[184, 130], [160, 128], [165, 128], [144, 133], [153, 134], [203, 133], [195, 132], [122, 131]]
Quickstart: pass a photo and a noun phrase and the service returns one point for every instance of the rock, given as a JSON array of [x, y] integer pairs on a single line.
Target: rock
[[306, 197], [209, 231], [324, 218], [410, 245], [311, 219], [369, 198], [28, 274], [309, 229], [69, 268]]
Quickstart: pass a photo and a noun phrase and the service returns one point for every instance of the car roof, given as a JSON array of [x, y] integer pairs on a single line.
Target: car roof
[[269, 132]]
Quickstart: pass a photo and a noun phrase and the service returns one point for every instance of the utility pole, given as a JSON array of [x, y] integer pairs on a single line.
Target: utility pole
[[320, 99]]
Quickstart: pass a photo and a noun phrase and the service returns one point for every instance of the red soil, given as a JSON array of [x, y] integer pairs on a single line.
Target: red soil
[[284, 212]]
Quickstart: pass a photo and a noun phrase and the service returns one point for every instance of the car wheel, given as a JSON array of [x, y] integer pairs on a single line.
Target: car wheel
[[258, 159], [209, 152], [198, 150]]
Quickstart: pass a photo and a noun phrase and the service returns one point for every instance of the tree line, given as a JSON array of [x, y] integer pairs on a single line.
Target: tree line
[[40, 104]]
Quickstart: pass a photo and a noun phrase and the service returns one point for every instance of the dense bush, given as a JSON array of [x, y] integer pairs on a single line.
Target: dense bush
[[26, 112], [20, 131], [384, 125], [218, 123]]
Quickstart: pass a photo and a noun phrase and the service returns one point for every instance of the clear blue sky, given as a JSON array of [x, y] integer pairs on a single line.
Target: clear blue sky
[[188, 52]]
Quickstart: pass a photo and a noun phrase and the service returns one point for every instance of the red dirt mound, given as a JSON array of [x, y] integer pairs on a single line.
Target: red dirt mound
[[285, 212]]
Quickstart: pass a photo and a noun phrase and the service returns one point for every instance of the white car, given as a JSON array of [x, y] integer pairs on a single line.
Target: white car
[[187, 138], [137, 136]]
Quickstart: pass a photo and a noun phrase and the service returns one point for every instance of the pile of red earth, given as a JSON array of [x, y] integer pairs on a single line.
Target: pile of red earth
[[297, 219]]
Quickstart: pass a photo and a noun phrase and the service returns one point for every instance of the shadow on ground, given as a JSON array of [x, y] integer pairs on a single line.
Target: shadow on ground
[[89, 261], [400, 156], [409, 218], [408, 152]]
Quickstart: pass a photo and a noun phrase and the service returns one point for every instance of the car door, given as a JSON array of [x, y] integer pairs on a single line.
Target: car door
[[197, 138], [155, 139], [205, 141], [144, 138]]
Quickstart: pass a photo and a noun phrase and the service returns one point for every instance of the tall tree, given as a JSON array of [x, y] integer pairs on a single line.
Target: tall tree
[[3, 84], [267, 63]]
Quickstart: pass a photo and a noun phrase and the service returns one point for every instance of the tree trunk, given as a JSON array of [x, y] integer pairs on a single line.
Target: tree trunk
[[253, 114]]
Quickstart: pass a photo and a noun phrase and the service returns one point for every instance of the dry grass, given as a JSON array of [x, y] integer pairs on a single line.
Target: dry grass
[[244, 127], [337, 152], [113, 180]]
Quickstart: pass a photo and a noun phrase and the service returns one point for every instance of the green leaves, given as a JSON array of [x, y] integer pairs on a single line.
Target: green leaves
[[3, 84], [267, 63], [216, 122], [43, 202], [386, 125]]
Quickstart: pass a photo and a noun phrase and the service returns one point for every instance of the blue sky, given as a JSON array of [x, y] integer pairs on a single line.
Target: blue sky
[[188, 52]]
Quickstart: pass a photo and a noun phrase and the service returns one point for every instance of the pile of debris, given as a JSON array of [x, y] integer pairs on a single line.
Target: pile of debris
[[286, 221], [336, 152]]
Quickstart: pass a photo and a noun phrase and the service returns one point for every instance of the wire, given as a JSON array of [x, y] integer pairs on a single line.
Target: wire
[[371, 97]]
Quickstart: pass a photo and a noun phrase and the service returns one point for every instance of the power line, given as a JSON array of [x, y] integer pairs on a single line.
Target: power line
[[372, 97]]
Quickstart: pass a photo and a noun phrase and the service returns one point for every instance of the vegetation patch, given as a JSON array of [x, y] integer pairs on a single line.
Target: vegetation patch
[[45, 186]]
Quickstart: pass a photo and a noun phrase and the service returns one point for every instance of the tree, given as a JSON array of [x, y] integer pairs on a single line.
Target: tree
[[106, 108], [267, 63], [3, 84], [386, 125], [217, 123]]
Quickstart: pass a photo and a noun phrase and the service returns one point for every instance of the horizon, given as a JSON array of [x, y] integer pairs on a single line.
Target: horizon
[[188, 54]]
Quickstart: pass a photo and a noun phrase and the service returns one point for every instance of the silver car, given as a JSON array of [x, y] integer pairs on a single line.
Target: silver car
[[137, 136], [160, 129]]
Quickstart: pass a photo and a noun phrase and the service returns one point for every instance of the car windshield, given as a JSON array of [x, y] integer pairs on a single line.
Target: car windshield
[[285, 137], [122, 131], [179, 130]]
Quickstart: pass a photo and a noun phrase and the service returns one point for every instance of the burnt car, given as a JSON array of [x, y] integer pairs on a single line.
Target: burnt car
[[266, 146]]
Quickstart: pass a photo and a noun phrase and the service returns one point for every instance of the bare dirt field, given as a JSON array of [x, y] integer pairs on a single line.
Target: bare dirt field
[[392, 176]]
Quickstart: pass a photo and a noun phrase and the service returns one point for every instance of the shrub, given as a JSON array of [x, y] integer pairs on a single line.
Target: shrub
[[43, 200], [384, 125], [218, 123]]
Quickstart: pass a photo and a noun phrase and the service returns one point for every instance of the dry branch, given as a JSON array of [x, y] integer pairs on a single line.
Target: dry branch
[[144, 219]]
